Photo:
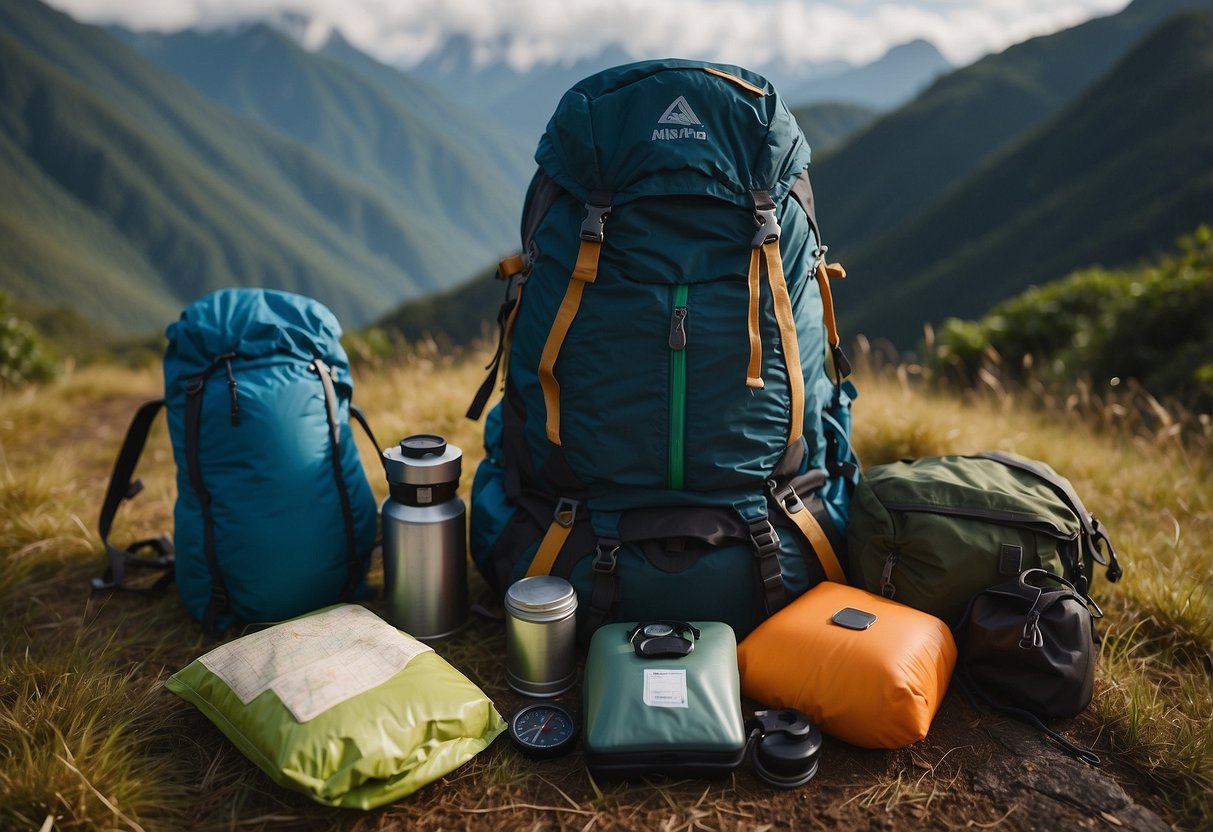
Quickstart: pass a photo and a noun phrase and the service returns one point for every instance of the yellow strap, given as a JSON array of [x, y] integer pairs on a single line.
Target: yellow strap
[[824, 275], [816, 535], [787, 337], [552, 543], [586, 271], [753, 373], [741, 82]]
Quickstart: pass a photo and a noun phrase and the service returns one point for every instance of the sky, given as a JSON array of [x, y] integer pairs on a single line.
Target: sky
[[525, 32]]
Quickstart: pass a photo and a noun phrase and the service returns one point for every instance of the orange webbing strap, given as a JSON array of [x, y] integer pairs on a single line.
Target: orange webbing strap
[[554, 538], [510, 266], [799, 514], [753, 372], [741, 82], [586, 271], [834, 271], [816, 535], [825, 274], [787, 336]]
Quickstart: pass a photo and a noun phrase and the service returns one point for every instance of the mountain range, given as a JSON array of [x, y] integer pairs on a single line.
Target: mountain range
[[1112, 179], [903, 72], [523, 101], [913, 196], [1088, 146], [130, 192], [140, 170]]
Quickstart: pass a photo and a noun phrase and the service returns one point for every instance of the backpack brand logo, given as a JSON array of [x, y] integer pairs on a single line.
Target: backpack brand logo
[[679, 113]]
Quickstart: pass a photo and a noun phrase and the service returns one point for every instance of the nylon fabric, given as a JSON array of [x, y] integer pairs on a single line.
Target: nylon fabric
[[667, 421], [585, 271], [957, 525], [876, 688], [280, 540], [601, 136], [787, 338]]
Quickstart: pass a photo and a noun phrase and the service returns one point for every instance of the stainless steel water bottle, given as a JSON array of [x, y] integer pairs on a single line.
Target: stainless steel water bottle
[[425, 538]]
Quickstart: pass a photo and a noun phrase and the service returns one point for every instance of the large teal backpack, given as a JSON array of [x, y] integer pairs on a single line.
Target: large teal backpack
[[274, 515], [669, 438]]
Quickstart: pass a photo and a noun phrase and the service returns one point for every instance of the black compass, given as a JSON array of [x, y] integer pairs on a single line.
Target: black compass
[[543, 730]]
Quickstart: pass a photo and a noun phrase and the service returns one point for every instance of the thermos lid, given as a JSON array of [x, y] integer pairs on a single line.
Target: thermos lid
[[541, 598], [423, 459]]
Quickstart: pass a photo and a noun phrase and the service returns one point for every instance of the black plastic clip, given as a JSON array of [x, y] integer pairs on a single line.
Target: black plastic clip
[[595, 220], [768, 227], [566, 512], [606, 557]]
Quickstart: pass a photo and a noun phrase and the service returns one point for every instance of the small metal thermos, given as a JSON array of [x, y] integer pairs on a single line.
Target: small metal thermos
[[425, 538], [541, 634]]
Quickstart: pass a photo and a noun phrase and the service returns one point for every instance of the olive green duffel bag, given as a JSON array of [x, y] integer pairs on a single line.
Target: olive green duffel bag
[[933, 532]]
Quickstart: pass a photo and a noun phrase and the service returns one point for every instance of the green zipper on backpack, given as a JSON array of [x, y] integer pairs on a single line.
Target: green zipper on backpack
[[678, 386]]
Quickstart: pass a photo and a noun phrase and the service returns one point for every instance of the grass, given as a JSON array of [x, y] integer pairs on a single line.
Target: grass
[[89, 739]]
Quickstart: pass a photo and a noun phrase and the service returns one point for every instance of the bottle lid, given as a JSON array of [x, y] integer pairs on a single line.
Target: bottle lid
[[423, 459], [541, 598]]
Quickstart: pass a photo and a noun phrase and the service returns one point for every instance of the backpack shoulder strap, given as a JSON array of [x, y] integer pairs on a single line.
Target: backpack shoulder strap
[[123, 487]]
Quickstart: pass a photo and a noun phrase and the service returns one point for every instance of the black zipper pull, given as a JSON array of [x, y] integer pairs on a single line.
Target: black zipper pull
[[231, 386], [678, 330], [886, 576]]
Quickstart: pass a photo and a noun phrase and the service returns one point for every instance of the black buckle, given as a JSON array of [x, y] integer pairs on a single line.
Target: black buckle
[[595, 220], [786, 497], [566, 512], [765, 538], [768, 227], [606, 557]]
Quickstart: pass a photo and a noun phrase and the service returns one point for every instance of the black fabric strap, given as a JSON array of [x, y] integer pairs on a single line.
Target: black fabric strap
[[541, 195], [358, 416], [802, 193], [604, 594], [347, 511], [123, 487], [481, 399], [979, 698], [773, 595], [217, 604]]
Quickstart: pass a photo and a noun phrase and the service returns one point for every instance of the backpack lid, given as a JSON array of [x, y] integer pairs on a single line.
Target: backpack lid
[[656, 128], [255, 323]]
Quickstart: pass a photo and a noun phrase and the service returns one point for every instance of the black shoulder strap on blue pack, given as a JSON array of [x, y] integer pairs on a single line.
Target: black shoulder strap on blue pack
[[123, 487]]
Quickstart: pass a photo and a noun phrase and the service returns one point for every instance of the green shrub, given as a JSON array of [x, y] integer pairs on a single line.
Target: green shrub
[[23, 357], [1148, 324]]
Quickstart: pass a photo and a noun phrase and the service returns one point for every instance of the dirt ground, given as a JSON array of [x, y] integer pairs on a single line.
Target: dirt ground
[[974, 771]]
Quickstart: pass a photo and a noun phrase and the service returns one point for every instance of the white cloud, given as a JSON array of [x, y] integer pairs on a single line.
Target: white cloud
[[529, 31]]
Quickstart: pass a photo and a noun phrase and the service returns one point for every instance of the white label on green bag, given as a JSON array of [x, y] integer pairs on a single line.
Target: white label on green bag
[[316, 662], [665, 688]]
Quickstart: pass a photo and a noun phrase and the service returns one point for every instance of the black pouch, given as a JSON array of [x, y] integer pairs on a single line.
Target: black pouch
[[1028, 648]]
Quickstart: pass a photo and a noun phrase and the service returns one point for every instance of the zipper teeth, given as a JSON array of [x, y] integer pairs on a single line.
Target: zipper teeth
[[1009, 518], [678, 399]]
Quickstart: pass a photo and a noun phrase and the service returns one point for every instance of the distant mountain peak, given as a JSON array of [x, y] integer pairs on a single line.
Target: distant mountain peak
[[309, 32]]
